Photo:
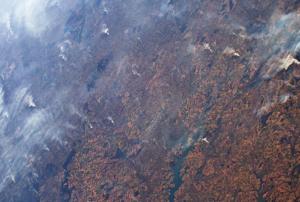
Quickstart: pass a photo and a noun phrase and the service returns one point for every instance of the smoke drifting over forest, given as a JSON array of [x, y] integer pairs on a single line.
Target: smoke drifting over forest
[[57, 55]]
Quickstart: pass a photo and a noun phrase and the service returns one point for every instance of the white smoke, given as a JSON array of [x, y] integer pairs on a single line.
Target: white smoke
[[29, 115], [30, 13], [21, 127], [281, 39]]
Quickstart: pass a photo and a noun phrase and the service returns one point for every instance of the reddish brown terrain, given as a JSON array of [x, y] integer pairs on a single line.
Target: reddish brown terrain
[[186, 100], [193, 100], [178, 87]]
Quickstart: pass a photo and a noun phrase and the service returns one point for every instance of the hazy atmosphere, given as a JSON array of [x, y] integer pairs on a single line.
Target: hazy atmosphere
[[139, 100]]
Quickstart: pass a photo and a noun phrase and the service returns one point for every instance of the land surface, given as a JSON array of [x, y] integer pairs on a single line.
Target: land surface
[[183, 101]]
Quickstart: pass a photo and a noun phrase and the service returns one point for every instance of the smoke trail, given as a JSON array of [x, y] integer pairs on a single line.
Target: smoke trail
[[46, 48], [34, 102]]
